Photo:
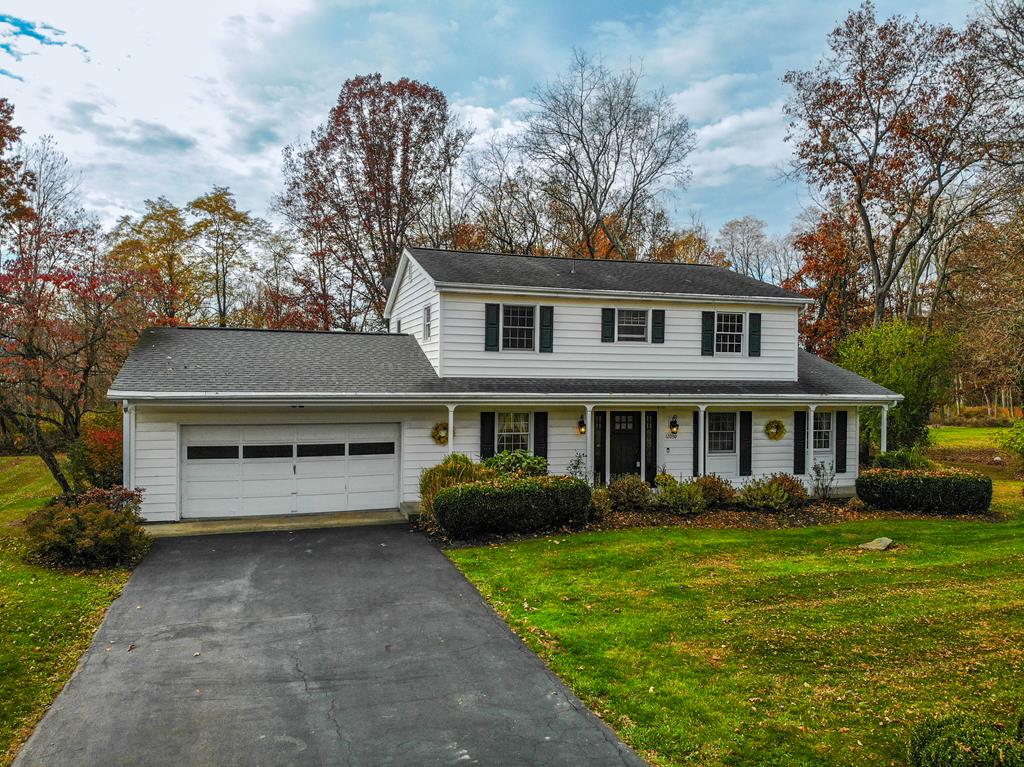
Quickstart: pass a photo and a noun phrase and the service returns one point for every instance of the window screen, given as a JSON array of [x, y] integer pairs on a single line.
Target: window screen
[[632, 325], [513, 432], [729, 333], [266, 451], [212, 452], [321, 450], [371, 448], [517, 327], [822, 431], [721, 432]]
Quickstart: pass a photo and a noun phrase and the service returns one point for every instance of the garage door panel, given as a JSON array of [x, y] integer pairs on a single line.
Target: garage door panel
[[201, 490], [269, 469], [214, 507], [268, 433], [372, 500], [321, 433], [323, 485], [212, 470], [374, 482], [208, 434], [252, 488], [312, 467]]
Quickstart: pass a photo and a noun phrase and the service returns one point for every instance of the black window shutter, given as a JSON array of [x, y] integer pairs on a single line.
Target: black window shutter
[[696, 442], [800, 442], [657, 326], [491, 327], [547, 328], [607, 326], [599, 447], [540, 434], [746, 441], [841, 426], [754, 335], [707, 334], [486, 435], [650, 445]]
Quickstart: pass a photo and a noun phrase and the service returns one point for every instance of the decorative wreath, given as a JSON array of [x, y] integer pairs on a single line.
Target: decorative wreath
[[440, 433], [775, 430]]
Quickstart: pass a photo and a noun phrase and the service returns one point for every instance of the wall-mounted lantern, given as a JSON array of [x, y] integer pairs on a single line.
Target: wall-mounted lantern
[[581, 426], [673, 425]]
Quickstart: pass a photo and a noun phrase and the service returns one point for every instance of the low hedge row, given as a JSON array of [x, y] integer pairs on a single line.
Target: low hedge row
[[934, 491], [511, 504]]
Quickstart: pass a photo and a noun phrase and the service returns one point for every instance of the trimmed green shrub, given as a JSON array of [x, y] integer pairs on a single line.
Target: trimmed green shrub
[[629, 494], [455, 469], [938, 491], [517, 462], [511, 504], [795, 490], [99, 528], [963, 741], [903, 458], [763, 495], [678, 497], [716, 491], [600, 503]]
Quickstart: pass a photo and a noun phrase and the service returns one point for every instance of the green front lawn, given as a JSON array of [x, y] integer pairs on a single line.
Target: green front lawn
[[47, 618], [781, 647], [964, 437]]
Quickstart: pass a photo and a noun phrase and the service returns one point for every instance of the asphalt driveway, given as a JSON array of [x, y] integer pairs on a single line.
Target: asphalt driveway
[[351, 646]]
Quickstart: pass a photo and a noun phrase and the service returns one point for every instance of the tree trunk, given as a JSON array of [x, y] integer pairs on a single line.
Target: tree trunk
[[46, 454]]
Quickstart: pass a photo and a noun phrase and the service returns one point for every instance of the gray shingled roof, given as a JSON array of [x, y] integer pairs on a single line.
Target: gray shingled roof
[[221, 362], [473, 268]]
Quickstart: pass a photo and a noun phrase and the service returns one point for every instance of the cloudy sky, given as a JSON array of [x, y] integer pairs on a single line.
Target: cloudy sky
[[154, 99]]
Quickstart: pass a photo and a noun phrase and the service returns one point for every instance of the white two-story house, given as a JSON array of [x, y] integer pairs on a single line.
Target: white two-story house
[[611, 367]]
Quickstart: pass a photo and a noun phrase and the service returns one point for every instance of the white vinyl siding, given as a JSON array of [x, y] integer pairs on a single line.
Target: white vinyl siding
[[579, 352], [416, 306]]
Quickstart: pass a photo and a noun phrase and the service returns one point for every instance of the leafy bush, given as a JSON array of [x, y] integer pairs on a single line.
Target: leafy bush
[[795, 490], [629, 494], [517, 462], [95, 458], [717, 492], [678, 497], [99, 528], [511, 504], [455, 469], [763, 495], [938, 491], [963, 741], [600, 503], [903, 458], [1012, 440]]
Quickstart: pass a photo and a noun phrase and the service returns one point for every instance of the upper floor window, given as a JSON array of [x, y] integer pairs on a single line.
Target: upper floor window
[[513, 432], [632, 325], [721, 432], [426, 321], [729, 333], [517, 327], [822, 431]]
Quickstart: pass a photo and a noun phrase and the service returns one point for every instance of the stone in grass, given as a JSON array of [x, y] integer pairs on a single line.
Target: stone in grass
[[879, 544]]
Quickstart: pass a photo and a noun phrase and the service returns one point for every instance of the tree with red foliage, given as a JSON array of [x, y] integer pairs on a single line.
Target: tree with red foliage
[[15, 179], [362, 184]]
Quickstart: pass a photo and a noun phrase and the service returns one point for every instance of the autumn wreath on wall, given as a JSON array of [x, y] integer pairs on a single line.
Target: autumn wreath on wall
[[775, 430], [440, 433]]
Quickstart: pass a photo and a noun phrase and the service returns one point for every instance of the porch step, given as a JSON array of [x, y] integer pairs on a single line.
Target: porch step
[[278, 522]]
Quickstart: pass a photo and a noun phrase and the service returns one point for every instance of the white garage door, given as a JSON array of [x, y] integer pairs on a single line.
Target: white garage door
[[238, 471]]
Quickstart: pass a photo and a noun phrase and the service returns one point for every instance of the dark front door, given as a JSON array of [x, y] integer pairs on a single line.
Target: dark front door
[[625, 443]]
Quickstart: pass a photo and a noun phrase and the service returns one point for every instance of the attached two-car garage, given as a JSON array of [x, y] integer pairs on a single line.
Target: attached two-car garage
[[252, 470]]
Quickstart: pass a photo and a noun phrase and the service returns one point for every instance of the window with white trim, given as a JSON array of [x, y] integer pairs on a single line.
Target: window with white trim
[[721, 432], [513, 432], [517, 327], [729, 333], [426, 321], [822, 431], [631, 325]]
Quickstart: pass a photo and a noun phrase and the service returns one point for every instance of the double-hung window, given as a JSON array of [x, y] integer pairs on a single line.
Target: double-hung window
[[631, 325], [729, 333], [426, 322], [513, 432], [517, 327], [721, 432], [822, 431]]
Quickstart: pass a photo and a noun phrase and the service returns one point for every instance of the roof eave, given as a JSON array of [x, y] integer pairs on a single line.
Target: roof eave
[[471, 287]]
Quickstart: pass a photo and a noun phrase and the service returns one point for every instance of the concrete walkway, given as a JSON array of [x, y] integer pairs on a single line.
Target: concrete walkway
[[278, 522], [350, 646]]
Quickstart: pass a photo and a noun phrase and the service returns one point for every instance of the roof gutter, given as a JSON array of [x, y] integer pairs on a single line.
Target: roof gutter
[[468, 287]]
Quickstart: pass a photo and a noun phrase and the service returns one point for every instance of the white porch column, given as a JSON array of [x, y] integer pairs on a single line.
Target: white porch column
[[809, 438], [701, 439], [588, 441], [451, 429], [127, 414], [884, 438]]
